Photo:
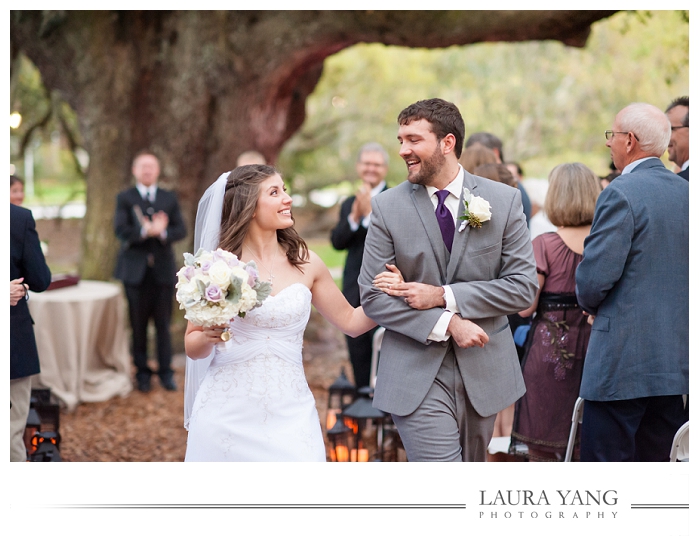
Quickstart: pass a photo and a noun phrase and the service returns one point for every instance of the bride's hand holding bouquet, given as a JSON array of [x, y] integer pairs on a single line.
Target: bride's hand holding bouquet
[[213, 287]]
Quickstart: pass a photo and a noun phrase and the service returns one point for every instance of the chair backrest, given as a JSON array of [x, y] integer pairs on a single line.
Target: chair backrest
[[680, 445], [375, 350], [576, 419]]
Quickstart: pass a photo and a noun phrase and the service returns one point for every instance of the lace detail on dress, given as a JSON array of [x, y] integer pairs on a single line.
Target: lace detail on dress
[[255, 391]]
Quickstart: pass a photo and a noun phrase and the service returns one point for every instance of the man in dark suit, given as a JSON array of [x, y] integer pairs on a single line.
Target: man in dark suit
[[28, 270], [350, 233], [147, 221], [634, 282], [678, 149]]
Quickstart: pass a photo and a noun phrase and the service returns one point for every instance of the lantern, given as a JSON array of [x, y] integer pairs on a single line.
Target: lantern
[[367, 424], [340, 394], [341, 441]]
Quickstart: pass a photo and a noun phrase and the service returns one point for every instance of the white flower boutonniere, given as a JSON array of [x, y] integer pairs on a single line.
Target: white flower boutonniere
[[476, 211]]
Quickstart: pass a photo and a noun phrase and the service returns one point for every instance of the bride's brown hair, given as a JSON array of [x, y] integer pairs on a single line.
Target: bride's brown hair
[[239, 204]]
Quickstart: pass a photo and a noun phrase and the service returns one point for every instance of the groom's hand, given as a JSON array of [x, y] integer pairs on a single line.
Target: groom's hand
[[466, 333], [420, 296]]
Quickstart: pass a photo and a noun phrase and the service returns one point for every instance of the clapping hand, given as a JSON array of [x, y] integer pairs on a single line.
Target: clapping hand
[[157, 224], [361, 207]]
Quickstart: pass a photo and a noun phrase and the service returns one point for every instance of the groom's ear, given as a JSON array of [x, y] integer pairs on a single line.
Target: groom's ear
[[448, 143]]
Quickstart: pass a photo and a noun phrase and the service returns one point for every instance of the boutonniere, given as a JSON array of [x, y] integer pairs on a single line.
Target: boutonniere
[[476, 211]]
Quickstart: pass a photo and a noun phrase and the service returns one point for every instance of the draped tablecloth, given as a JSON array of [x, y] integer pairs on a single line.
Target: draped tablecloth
[[82, 340]]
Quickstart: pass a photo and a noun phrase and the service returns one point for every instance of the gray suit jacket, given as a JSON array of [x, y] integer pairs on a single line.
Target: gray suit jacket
[[634, 277], [492, 273]]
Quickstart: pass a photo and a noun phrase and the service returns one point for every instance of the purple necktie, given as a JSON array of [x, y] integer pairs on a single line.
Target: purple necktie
[[444, 218]]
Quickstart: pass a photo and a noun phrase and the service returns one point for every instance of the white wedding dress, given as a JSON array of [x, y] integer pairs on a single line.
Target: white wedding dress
[[254, 403]]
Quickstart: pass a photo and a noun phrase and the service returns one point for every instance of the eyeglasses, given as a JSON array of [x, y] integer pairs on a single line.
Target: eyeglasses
[[609, 133]]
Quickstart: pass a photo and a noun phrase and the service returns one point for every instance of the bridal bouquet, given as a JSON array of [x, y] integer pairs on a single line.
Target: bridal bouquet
[[214, 287]]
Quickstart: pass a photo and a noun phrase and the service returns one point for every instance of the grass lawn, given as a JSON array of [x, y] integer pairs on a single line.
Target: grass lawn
[[334, 260]]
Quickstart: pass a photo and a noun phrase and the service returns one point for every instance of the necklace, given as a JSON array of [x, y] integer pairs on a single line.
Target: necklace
[[271, 275]]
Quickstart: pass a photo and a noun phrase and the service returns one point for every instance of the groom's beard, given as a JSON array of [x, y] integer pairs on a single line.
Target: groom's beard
[[429, 168]]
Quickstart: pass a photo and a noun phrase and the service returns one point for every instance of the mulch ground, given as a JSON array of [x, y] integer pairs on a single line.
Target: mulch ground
[[148, 427]]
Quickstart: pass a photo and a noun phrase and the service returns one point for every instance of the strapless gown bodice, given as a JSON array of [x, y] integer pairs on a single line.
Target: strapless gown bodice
[[254, 403]]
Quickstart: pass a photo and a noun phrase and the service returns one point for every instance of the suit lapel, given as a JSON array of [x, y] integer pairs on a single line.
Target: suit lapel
[[425, 210], [459, 245]]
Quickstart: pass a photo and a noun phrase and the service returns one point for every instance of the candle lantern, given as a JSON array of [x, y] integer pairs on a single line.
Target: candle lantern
[[341, 441], [367, 424], [33, 426], [340, 394]]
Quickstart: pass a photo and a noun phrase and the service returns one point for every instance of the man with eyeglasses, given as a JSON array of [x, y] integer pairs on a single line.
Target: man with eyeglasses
[[349, 234], [633, 281], [678, 149]]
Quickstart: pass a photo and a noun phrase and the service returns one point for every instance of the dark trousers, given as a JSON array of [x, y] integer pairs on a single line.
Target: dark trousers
[[147, 301], [360, 349], [638, 430]]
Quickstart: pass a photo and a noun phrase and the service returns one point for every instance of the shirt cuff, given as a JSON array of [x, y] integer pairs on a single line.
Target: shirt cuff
[[366, 221], [450, 299], [439, 332], [352, 224]]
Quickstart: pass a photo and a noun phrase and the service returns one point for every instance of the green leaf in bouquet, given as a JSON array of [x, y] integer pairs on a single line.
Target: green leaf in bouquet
[[189, 259], [235, 289], [263, 290], [201, 286]]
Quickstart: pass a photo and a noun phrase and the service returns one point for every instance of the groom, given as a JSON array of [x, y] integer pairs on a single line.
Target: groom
[[448, 363]]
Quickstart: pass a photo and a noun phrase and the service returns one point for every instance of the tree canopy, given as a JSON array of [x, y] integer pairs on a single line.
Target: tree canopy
[[199, 87]]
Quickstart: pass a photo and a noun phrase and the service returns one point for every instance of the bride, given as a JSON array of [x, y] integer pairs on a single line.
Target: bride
[[247, 399]]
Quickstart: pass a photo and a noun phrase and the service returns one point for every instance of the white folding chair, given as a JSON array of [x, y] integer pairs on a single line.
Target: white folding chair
[[576, 419], [680, 445], [376, 348]]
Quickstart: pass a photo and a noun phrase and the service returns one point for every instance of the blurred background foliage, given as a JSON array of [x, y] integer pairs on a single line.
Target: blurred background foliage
[[548, 103]]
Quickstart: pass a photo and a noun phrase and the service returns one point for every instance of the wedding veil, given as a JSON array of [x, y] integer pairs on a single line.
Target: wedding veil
[[206, 230]]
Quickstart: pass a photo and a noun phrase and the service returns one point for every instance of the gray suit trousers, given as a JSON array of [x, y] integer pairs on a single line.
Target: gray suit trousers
[[445, 426]]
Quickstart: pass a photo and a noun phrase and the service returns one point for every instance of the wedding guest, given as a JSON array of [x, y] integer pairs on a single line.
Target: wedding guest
[[148, 221], [608, 178], [496, 171], [553, 363], [475, 155], [349, 234], [633, 280], [28, 270], [494, 143], [16, 190], [250, 157], [678, 148]]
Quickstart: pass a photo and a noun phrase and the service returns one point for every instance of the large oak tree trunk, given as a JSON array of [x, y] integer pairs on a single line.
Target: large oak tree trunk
[[199, 87]]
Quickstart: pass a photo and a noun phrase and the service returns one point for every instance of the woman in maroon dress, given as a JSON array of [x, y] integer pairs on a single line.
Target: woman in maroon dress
[[552, 366]]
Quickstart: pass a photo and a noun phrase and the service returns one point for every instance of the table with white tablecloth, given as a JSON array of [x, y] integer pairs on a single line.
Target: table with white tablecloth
[[83, 342]]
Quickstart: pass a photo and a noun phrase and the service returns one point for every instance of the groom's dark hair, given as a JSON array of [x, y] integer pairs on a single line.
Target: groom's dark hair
[[444, 117]]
